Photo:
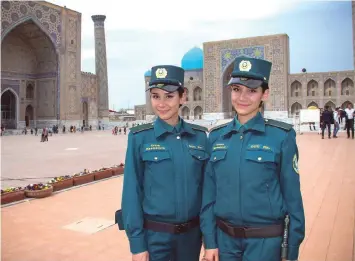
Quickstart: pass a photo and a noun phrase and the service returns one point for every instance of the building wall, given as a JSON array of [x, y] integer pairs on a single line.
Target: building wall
[[218, 58], [336, 82], [89, 87], [49, 59], [140, 112], [194, 105]]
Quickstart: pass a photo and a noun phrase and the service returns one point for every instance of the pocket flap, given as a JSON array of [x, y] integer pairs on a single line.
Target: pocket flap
[[260, 156], [156, 156], [218, 155], [198, 154]]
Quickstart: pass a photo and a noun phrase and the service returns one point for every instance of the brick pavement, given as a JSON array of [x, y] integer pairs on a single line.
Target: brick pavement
[[24, 156], [33, 230]]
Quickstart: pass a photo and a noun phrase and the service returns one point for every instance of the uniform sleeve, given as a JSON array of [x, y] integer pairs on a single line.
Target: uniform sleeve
[[132, 197], [290, 186], [207, 217]]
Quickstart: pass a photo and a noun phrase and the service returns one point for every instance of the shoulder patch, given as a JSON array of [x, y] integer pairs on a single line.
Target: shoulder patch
[[198, 127], [219, 126], [143, 127], [279, 124]]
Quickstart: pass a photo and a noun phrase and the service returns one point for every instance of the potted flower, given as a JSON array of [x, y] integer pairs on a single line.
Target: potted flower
[[83, 177], [118, 169], [39, 190], [62, 182], [102, 173], [12, 194]]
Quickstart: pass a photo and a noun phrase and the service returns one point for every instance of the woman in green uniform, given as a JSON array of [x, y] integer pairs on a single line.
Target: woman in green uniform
[[252, 180], [162, 189]]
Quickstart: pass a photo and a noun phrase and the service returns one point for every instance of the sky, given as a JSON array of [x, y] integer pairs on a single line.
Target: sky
[[141, 34]]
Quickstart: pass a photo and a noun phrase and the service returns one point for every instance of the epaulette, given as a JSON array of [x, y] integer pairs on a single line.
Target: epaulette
[[219, 126], [143, 127], [198, 127], [279, 124]]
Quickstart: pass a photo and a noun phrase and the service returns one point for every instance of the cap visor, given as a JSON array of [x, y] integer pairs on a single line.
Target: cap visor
[[168, 88], [250, 83]]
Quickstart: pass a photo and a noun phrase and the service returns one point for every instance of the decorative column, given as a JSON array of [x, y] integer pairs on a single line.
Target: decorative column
[[101, 67]]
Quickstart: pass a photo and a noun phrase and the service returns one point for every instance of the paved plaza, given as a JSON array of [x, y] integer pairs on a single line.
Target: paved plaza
[[26, 160], [68, 225]]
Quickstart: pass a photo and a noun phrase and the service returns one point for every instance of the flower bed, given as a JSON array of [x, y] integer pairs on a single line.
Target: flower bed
[[12, 194], [83, 177], [118, 169], [62, 182], [39, 190], [102, 173]]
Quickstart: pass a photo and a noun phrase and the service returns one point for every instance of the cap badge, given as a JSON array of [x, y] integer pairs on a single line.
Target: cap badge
[[244, 66], [161, 73]]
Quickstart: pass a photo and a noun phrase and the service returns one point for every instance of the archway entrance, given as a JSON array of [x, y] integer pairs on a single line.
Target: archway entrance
[[85, 114], [185, 113], [29, 53], [8, 110], [198, 113], [29, 116]]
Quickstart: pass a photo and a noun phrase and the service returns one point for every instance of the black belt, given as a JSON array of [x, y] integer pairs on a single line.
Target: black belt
[[250, 232], [170, 227]]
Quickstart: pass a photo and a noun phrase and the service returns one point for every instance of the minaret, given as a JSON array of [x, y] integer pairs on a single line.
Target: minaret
[[101, 66]]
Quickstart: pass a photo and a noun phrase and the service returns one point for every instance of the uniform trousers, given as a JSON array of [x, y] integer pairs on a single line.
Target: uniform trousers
[[174, 247], [248, 249]]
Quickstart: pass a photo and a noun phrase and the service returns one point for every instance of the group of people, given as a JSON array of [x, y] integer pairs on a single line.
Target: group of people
[[116, 130], [237, 190], [329, 117]]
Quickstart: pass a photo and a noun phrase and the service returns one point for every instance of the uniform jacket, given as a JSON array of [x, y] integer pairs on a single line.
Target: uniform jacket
[[163, 176], [252, 179]]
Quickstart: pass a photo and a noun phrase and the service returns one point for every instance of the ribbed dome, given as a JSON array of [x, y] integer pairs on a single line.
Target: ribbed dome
[[193, 59], [148, 73]]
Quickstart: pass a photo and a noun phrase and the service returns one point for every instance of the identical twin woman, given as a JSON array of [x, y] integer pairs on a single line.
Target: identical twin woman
[[231, 190]]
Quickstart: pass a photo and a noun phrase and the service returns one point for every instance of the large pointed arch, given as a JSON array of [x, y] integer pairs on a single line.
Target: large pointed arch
[[7, 120], [39, 59]]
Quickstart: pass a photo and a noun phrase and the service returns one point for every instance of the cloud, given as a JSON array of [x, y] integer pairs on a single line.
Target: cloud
[[142, 34], [160, 16]]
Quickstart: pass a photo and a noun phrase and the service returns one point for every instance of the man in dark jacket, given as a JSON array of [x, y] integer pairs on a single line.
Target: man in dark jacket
[[327, 118]]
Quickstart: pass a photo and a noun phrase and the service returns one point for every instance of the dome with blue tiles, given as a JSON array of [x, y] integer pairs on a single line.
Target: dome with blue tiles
[[148, 73], [193, 59]]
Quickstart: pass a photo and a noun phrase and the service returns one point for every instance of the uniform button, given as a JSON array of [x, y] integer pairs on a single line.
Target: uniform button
[[241, 137], [259, 158], [214, 158], [199, 157], [156, 158], [178, 137]]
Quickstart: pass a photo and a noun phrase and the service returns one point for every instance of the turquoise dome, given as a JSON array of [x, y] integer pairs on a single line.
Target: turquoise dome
[[148, 73], [193, 59]]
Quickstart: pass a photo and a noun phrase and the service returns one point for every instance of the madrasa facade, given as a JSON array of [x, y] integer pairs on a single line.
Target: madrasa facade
[[207, 71], [41, 79]]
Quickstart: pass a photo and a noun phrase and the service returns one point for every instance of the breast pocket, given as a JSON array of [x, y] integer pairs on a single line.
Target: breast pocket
[[219, 164], [158, 166], [261, 163]]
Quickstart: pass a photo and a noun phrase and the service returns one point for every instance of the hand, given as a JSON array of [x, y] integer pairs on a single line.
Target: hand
[[144, 256], [210, 255]]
